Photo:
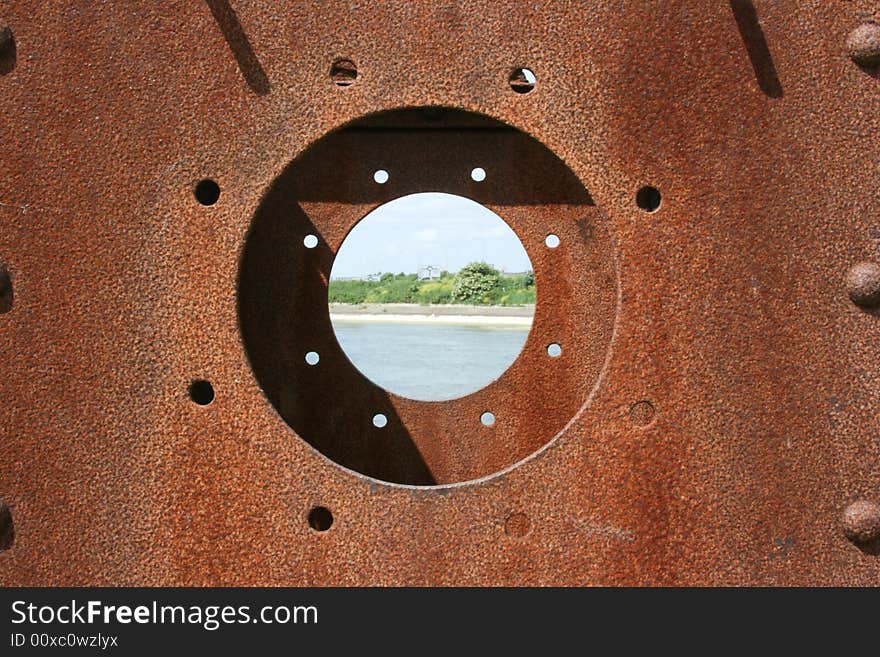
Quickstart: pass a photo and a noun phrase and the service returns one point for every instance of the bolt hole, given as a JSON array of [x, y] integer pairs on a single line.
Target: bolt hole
[[381, 176], [552, 241], [488, 419], [5, 291], [201, 392], [379, 420], [207, 192], [648, 199], [7, 530], [478, 174], [7, 50], [343, 72], [313, 358], [522, 80], [554, 350], [310, 241], [320, 519]]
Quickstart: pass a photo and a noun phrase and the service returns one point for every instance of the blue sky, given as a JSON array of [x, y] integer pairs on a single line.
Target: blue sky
[[442, 230]]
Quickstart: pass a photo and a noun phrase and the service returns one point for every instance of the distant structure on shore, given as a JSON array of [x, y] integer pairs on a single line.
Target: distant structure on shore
[[370, 278], [428, 272]]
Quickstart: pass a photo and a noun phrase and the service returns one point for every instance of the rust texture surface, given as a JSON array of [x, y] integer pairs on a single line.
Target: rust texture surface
[[712, 418]]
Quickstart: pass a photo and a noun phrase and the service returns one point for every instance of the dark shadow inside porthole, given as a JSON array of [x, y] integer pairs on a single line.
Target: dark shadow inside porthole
[[283, 282]]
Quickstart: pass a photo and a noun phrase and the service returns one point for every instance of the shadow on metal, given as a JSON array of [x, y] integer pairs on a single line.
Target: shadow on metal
[[756, 45], [240, 46]]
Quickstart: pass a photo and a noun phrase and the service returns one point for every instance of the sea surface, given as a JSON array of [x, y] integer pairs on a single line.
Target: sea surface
[[430, 362]]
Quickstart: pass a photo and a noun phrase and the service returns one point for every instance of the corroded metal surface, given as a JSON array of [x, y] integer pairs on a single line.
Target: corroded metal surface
[[712, 420]]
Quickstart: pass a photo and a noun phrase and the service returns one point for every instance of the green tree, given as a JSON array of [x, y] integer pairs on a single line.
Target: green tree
[[476, 283]]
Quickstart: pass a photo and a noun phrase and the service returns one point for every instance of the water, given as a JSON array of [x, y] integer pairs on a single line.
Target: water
[[430, 362]]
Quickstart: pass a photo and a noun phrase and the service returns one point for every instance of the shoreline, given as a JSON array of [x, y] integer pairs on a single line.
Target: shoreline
[[514, 316]]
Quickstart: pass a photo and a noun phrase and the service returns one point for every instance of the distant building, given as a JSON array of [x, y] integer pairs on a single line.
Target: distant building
[[428, 272], [371, 278]]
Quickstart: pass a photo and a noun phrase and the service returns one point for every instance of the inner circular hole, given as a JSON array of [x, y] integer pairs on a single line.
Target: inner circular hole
[[522, 80], [7, 529], [310, 241], [207, 192], [381, 176], [201, 392], [554, 350], [5, 290], [649, 199], [312, 358], [320, 518], [379, 420], [552, 241], [487, 419], [478, 174], [432, 296]]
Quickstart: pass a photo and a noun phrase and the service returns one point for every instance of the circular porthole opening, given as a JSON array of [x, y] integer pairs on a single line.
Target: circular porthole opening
[[431, 296], [418, 317]]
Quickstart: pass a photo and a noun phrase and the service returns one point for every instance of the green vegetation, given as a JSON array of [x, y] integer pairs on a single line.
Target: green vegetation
[[476, 284]]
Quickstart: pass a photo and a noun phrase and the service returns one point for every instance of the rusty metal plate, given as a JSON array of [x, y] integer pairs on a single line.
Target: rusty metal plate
[[712, 419]]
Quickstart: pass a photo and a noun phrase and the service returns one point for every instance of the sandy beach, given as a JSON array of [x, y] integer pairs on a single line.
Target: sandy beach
[[437, 314]]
